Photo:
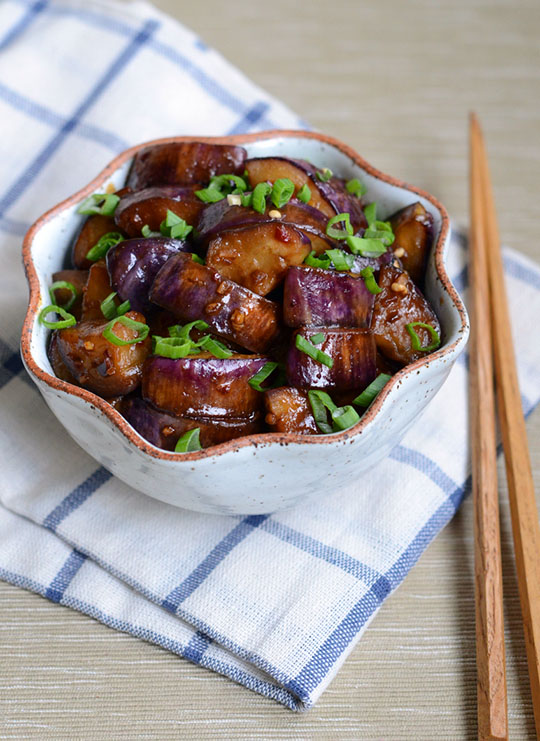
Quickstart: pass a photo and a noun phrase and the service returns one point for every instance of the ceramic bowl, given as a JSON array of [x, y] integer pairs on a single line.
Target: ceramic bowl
[[258, 473]]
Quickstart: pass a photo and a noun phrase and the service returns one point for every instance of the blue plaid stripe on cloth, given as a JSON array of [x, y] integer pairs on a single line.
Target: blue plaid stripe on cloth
[[274, 602]]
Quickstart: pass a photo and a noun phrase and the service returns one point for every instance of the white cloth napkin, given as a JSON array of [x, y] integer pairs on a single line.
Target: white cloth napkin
[[274, 602]]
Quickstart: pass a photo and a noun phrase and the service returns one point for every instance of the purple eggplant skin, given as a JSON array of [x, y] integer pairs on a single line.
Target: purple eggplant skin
[[352, 350], [373, 262], [192, 291], [202, 385], [184, 163], [149, 207], [163, 430], [133, 265], [314, 296]]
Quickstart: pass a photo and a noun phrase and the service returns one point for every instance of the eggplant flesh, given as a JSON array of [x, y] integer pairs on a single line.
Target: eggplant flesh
[[202, 385], [78, 279], [91, 231], [97, 288], [184, 163], [258, 257], [314, 296], [413, 230], [149, 208], [288, 410], [192, 291], [133, 265], [163, 430], [351, 350]]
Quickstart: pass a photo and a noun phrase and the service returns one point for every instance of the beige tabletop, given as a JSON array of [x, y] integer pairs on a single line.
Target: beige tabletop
[[395, 80]]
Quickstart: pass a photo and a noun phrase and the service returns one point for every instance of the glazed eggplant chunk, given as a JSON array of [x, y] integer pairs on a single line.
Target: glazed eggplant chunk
[[218, 296]]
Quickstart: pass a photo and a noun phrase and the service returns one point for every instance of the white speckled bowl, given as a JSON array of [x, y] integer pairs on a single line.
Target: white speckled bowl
[[257, 473]]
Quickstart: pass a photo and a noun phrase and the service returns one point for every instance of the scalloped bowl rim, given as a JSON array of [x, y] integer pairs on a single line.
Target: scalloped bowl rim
[[256, 439]]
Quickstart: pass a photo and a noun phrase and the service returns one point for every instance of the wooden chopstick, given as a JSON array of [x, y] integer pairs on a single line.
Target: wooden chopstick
[[524, 513], [490, 655]]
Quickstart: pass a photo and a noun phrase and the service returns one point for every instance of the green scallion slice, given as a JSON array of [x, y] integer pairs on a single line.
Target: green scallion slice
[[372, 391], [261, 376], [183, 331], [369, 280], [68, 320], [210, 195], [147, 232], [317, 338], [308, 348], [108, 307], [103, 245], [228, 183], [366, 247], [304, 194], [317, 262], [171, 347], [282, 192], [370, 212], [247, 199], [415, 340], [174, 227], [356, 188], [340, 260], [344, 417], [196, 258], [320, 402], [189, 441], [141, 329], [217, 348], [258, 201], [335, 233], [324, 175], [103, 204], [66, 285]]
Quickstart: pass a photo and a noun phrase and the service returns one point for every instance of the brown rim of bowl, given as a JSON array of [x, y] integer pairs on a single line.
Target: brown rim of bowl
[[259, 438]]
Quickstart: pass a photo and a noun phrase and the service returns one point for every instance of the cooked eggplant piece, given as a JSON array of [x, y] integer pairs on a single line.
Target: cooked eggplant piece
[[193, 291], [133, 265], [78, 279], [258, 257], [314, 296], [99, 365], [184, 163], [163, 430], [92, 230], [352, 352], [288, 410], [150, 206], [374, 262], [400, 303], [96, 290], [202, 385], [59, 367], [413, 229]]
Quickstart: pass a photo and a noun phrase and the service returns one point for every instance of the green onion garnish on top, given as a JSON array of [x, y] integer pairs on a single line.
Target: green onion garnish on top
[[103, 245], [221, 186], [196, 258], [369, 280], [282, 192], [189, 441], [366, 247], [335, 233], [370, 212], [172, 347], [324, 175], [102, 204], [141, 329], [342, 417], [178, 330], [68, 320], [415, 339], [372, 391], [247, 199], [308, 348], [341, 260], [317, 338], [147, 232], [174, 227], [215, 347], [110, 310], [356, 188], [258, 201], [210, 195], [317, 262], [304, 194], [67, 286], [261, 375]]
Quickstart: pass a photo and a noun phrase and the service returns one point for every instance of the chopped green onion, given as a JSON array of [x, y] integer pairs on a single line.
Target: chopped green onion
[[147, 232], [175, 227], [306, 347], [256, 380], [344, 417], [258, 202], [217, 348], [66, 285], [225, 182], [324, 175], [369, 280], [317, 338], [183, 331], [103, 245], [103, 204], [370, 212], [366, 247], [210, 195], [356, 188], [320, 402], [282, 192], [370, 392], [341, 260], [109, 308], [247, 199], [196, 258], [415, 340], [67, 321], [304, 194], [381, 230], [339, 233], [141, 329], [317, 262], [171, 347], [189, 442]]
